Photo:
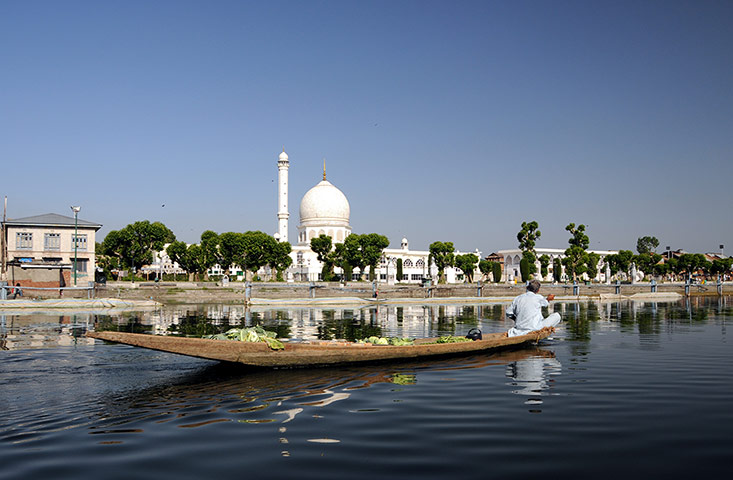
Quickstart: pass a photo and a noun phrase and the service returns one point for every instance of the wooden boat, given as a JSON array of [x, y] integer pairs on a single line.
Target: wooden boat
[[317, 353]]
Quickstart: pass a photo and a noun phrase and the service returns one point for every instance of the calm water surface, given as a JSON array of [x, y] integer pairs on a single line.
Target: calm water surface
[[622, 390]]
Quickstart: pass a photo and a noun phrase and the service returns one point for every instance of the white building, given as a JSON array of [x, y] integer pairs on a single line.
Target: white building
[[511, 271], [325, 209], [49, 250]]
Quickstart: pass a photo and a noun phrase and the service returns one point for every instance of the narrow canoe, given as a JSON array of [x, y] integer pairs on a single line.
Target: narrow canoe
[[312, 354]]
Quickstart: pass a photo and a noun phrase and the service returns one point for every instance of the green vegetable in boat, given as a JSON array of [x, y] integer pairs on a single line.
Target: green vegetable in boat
[[250, 334], [387, 341], [452, 339]]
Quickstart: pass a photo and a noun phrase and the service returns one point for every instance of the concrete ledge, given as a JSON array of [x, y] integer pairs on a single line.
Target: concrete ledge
[[654, 297], [77, 303]]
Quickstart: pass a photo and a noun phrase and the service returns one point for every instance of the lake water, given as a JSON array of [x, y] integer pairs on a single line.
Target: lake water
[[623, 389]]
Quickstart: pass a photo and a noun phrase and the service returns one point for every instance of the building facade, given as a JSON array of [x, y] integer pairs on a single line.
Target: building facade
[[49, 250], [511, 271]]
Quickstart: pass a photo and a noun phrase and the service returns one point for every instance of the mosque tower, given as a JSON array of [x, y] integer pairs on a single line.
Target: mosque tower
[[282, 197]]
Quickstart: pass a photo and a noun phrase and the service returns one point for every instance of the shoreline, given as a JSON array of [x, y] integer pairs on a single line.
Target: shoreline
[[127, 295]]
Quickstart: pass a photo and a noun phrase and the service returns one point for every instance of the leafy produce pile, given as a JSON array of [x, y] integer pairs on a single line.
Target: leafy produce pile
[[387, 341], [452, 339], [250, 334]]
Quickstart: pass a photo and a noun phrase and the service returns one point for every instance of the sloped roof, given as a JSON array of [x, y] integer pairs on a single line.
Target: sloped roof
[[51, 220]]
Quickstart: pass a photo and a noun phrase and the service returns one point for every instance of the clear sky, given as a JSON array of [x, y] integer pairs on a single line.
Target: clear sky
[[439, 120]]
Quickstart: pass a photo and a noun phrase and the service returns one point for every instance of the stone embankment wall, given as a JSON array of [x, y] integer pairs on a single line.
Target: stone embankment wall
[[191, 292]]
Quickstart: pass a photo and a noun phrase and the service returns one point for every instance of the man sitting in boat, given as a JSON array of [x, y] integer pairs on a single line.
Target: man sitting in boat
[[526, 311]]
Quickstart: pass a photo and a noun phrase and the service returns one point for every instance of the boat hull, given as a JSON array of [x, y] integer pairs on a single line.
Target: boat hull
[[313, 354]]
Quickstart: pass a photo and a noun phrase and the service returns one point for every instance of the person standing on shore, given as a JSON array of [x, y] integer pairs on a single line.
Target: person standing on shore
[[526, 311]]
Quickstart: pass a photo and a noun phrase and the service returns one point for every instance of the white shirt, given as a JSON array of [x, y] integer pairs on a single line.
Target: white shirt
[[526, 310]]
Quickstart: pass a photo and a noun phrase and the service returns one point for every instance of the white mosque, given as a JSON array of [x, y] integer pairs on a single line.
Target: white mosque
[[325, 209]]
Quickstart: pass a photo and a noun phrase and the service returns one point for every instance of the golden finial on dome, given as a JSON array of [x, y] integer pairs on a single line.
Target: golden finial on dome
[[324, 168]]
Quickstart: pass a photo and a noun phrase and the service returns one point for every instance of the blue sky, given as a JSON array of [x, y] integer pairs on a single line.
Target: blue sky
[[450, 121]]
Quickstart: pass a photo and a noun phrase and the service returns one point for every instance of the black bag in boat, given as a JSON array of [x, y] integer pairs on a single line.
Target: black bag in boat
[[474, 334]]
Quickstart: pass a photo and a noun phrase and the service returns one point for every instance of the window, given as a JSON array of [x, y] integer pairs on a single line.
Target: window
[[24, 240], [416, 276], [420, 263], [52, 241], [383, 276], [405, 276], [407, 263], [81, 242], [81, 264]]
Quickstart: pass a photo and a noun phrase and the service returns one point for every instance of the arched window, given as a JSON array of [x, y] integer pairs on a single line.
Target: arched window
[[420, 263], [407, 263]]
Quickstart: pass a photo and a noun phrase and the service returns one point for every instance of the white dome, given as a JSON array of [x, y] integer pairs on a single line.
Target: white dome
[[324, 204], [283, 156]]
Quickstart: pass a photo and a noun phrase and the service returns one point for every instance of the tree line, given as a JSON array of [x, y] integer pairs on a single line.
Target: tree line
[[578, 260], [134, 246]]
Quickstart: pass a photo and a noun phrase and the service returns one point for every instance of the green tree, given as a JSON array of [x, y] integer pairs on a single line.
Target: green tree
[[256, 250], [365, 250], [185, 256], [352, 254], [575, 260], [646, 261], [467, 263], [322, 246], [591, 264], [557, 270], [106, 262], [496, 272], [485, 267], [230, 251], [338, 257], [646, 245], [372, 246], [661, 269], [691, 263], [134, 245], [278, 257], [721, 266], [250, 250], [620, 262], [524, 269], [209, 249], [443, 255], [527, 237], [544, 264]]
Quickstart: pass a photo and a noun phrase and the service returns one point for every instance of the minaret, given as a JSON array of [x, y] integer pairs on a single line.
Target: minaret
[[282, 197]]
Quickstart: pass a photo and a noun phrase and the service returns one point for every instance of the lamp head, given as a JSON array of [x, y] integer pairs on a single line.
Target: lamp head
[[75, 209]]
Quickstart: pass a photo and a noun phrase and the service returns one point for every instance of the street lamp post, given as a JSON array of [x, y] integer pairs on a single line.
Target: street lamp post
[[76, 240]]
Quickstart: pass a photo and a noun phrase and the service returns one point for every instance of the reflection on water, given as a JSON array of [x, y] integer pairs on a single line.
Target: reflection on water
[[222, 393], [39, 330], [531, 377]]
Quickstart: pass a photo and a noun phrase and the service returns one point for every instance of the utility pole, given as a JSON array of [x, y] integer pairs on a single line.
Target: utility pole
[[76, 240]]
